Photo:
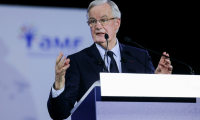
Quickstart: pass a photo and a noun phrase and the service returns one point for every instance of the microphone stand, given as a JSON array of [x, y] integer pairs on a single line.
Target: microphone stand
[[106, 37], [129, 40]]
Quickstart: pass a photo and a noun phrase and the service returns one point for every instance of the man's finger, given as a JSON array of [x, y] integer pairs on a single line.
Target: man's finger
[[166, 54], [66, 62], [170, 68], [164, 65], [66, 67], [158, 70], [60, 64], [63, 70], [162, 59], [167, 62], [60, 55]]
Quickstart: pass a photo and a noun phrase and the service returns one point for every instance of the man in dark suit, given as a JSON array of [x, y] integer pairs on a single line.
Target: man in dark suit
[[75, 75]]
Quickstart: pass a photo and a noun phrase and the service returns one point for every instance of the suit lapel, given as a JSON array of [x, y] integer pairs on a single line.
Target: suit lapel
[[124, 58], [95, 60], [127, 62]]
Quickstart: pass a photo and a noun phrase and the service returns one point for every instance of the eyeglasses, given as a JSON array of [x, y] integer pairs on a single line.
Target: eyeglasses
[[103, 21]]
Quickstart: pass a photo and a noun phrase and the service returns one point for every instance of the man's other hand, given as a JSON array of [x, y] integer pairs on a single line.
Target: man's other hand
[[164, 66]]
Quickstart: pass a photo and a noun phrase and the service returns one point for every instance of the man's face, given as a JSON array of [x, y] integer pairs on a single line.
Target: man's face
[[98, 31]]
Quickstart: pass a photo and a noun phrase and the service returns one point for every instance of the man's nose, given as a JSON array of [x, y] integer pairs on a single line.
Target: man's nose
[[98, 25]]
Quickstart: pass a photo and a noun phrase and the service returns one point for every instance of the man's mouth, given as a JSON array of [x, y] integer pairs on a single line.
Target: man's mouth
[[100, 33]]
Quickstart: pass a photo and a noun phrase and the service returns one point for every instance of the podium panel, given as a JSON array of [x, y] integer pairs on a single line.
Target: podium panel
[[92, 107], [147, 111]]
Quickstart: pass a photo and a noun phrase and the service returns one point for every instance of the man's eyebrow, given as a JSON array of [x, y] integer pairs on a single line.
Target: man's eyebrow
[[91, 18], [101, 17], [104, 16]]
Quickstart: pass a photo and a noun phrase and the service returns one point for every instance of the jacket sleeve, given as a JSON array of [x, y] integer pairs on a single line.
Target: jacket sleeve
[[59, 108], [149, 64]]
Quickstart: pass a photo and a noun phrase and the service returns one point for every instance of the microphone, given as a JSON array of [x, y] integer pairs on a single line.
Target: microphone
[[128, 40], [106, 37]]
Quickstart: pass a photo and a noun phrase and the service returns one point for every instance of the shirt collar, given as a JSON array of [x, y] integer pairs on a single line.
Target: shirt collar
[[115, 50]]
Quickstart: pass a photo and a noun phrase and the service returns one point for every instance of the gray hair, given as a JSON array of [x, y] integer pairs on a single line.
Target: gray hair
[[114, 7]]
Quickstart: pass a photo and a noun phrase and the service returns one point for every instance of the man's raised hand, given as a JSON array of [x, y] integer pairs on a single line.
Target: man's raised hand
[[164, 66], [60, 69]]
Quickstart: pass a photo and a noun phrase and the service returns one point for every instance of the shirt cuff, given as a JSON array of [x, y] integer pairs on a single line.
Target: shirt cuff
[[56, 93]]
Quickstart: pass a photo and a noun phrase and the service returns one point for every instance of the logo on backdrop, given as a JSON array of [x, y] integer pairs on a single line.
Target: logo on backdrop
[[28, 33], [46, 43]]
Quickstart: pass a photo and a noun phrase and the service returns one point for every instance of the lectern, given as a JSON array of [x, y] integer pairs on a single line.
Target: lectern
[[140, 97]]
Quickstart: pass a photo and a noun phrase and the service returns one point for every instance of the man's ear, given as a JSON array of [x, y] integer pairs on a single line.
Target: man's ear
[[117, 23]]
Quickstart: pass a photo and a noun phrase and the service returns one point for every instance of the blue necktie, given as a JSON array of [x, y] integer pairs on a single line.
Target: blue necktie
[[113, 65]]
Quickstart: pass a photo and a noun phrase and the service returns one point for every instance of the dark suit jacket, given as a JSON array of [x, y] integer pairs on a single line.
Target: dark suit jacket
[[84, 71]]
